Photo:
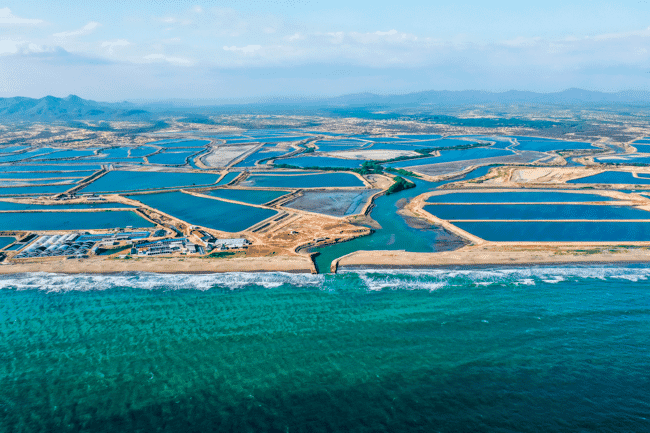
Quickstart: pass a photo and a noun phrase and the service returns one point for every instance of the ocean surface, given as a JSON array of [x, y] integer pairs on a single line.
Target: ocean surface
[[544, 349]]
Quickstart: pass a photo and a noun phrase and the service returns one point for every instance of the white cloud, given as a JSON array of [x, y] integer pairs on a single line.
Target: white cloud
[[87, 29], [6, 17], [9, 46], [388, 33], [111, 45], [197, 9], [248, 49], [180, 61], [295, 37]]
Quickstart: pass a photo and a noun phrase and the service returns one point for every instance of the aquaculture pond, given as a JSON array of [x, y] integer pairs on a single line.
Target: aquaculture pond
[[6, 240], [320, 161], [172, 158], [252, 196], [142, 151], [144, 180], [394, 232], [535, 212], [263, 153], [26, 155], [180, 143], [419, 136], [6, 205], [206, 212], [11, 149], [34, 190], [546, 145], [71, 220], [642, 148], [414, 145], [515, 196], [303, 181], [332, 202], [28, 175], [454, 155], [612, 177], [518, 231], [66, 154], [50, 167]]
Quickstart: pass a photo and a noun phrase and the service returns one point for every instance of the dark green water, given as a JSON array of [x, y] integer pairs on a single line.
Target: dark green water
[[507, 350]]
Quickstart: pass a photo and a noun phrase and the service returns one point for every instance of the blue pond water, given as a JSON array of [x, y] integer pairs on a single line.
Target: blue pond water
[[172, 158], [142, 151], [34, 175], [263, 153], [513, 231], [180, 143], [66, 154], [71, 220], [412, 145], [49, 167], [142, 180], [26, 155], [248, 196], [545, 145], [642, 148], [320, 161], [419, 136], [632, 160], [612, 177], [5, 205], [454, 155], [34, 190], [6, 240], [534, 212], [302, 181], [210, 213], [10, 149], [515, 196]]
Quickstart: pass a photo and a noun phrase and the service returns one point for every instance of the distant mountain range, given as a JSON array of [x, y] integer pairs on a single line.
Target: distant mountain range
[[69, 108], [75, 108]]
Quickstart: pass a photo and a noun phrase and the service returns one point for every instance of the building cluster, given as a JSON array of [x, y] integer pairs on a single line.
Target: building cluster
[[75, 245], [212, 243], [167, 246]]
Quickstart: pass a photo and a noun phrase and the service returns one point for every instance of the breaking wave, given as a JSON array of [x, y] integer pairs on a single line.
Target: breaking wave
[[430, 279]]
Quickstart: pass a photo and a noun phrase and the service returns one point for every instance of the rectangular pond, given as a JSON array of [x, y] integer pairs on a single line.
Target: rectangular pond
[[535, 212], [50, 168], [64, 154], [210, 213], [303, 181], [180, 143], [252, 196], [515, 196], [29, 175], [320, 161], [454, 155], [34, 190], [6, 240], [545, 145], [172, 158], [512, 231], [612, 177], [71, 220], [142, 151], [6, 205], [147, 180]]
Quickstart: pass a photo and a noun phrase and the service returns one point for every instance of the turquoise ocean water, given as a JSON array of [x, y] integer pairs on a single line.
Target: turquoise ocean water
[[559, 349]]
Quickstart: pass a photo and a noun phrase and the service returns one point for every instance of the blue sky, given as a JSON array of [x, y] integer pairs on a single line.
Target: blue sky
[[234, 50]]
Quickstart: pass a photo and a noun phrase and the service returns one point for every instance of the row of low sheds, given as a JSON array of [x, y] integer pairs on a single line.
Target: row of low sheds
[[56, 246]]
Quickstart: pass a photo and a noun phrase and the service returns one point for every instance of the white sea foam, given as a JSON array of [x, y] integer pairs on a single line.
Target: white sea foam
[[421, 279], [151, 281]]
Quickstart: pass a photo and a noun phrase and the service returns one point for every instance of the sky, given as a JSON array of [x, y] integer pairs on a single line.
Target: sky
[[245, 50]]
